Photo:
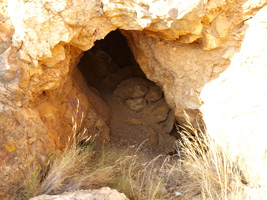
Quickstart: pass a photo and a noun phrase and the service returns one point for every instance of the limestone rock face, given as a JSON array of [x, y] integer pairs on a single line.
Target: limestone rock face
[[182, 69], [180, 45], [97, 194], [235, 113]]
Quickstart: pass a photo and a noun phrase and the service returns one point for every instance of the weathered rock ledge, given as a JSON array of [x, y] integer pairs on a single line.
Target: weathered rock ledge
[[185, 47]]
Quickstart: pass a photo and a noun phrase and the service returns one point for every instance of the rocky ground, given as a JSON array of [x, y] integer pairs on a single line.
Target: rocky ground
[[99, 194]]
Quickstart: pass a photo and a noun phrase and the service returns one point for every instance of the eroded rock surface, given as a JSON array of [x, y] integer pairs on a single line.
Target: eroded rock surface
[[180, 45], [182, 70], [97, 194]]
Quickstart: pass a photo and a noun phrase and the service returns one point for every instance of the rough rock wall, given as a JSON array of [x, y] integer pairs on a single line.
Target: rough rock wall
[[236, 112], [182, 69], [182, 46], [184, 65]]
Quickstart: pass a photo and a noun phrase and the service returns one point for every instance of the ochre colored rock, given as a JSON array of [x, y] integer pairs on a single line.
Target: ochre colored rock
[[180, 45], [24, 142], [181, 70]]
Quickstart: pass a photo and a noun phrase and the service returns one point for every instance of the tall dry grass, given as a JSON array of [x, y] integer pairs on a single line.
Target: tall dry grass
[[79, 166], [82, 165], [209, 172], [200, 170]]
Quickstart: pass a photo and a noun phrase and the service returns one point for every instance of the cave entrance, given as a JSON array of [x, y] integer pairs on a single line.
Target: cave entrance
[[139, 110]]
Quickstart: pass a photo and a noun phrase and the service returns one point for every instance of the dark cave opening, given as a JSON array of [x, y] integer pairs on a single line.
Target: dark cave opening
[[110, 58], [139, 110]]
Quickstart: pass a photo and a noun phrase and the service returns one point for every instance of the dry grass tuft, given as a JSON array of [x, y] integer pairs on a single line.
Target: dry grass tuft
[[208, 172], [79, 166], [82, 166]]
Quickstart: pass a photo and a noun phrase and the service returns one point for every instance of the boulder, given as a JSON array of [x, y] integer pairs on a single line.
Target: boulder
[[96, 194], [131, 89], [182, 46], [135, 104]]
